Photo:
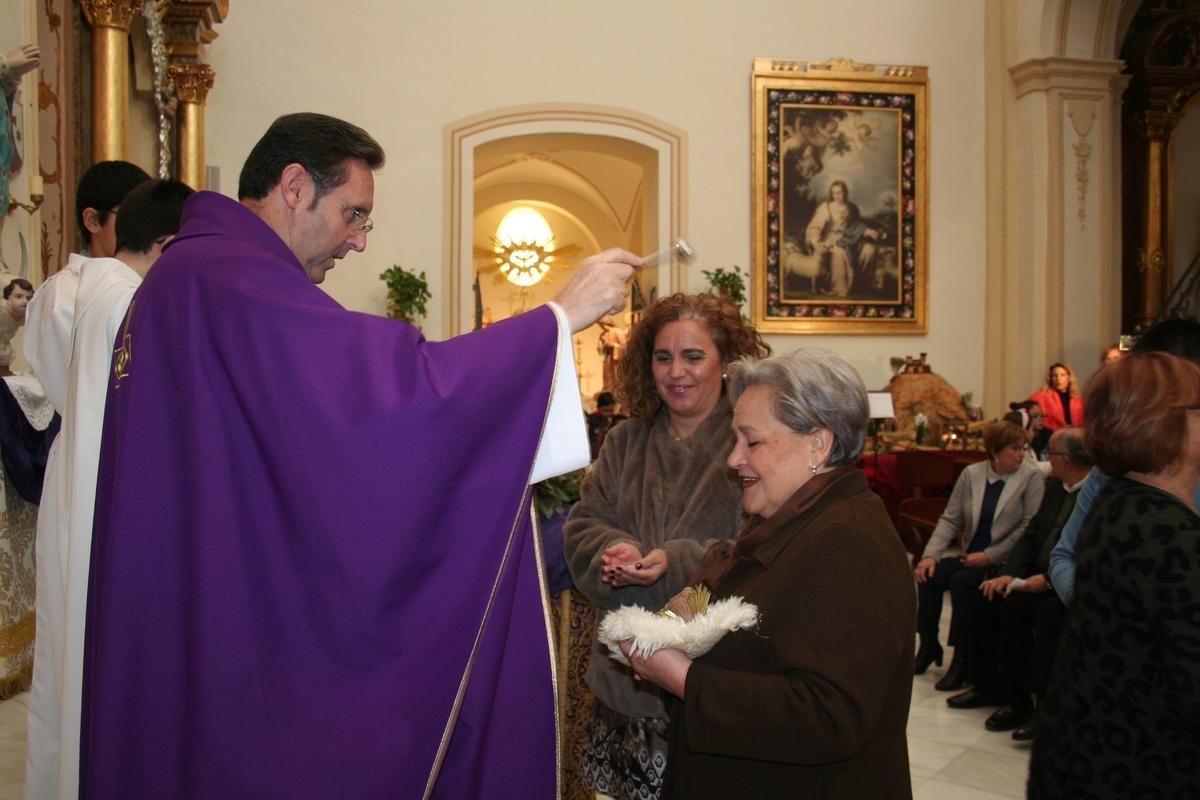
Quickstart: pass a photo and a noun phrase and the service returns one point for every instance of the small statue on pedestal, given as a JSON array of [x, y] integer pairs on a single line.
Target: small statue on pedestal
[[13, 66], [611, 343], [12, 317]]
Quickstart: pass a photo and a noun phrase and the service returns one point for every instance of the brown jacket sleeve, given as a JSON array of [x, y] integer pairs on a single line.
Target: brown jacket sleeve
[[592, 526]]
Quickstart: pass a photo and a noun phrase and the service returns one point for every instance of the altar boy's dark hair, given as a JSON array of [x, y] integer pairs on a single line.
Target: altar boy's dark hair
[[103, 187], [150, 212]]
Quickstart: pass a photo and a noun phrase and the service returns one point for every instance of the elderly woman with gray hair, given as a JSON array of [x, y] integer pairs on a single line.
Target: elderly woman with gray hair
[[814, 700]]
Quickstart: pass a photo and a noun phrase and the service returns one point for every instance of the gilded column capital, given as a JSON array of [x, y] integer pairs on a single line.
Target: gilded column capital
[[1154, 125], [190, 25], [110, 13], [191, 81]]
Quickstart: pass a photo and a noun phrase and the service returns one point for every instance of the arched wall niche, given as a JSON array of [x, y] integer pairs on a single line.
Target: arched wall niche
[[607, 185], [510, 142]]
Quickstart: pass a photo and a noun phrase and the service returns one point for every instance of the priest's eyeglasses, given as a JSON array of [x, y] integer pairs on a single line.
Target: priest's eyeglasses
[[360, 220]]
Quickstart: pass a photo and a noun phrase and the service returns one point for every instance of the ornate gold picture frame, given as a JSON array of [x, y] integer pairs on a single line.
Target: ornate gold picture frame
[[840, 197]]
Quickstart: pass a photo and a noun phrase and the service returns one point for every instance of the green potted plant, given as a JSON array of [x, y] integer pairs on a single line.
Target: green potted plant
[[555, 496], [407, 293], [730, 284]]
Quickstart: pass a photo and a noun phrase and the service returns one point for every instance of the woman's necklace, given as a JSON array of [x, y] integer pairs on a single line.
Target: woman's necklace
[[675, 435]]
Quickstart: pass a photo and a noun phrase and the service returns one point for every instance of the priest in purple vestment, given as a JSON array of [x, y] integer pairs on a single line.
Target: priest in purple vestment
[[314, 568]]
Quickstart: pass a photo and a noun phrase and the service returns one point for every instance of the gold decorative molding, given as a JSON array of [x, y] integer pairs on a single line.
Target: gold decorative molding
[[1162, 51], [190, 25], [1152, 265], [838, 67], [110, 21], [110, 13], [1161, 112], [17, 636], [1082, 114], [191, 81]]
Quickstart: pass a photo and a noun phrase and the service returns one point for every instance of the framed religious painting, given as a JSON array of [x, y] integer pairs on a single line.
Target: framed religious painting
[[840, 197]]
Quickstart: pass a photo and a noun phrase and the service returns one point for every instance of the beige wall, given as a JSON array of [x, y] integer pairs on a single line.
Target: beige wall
[[404, 70]]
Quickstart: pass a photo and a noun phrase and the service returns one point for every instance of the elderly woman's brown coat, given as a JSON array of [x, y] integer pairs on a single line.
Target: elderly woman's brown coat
[[814, 702]]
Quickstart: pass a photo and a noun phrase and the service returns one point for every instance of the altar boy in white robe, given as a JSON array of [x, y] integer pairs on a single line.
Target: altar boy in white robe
[[147, 220], [49, 331]]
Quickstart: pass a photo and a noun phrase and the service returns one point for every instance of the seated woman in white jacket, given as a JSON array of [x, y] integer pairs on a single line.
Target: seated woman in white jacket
[[992, 503]]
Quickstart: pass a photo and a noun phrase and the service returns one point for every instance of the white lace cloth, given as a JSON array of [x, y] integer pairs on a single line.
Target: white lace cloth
[[32, 398]]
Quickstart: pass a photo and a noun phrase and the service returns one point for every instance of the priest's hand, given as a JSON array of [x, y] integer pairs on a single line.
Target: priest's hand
[[667, 668], [598, 287]]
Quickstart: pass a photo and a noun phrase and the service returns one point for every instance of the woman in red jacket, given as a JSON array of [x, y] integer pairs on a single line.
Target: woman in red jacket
[[1059, 399]]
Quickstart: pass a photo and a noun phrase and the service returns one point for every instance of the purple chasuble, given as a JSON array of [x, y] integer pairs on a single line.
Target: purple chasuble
[[314, 573]]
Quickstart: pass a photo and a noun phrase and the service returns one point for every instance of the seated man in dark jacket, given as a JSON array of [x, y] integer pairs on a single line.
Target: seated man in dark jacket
[[1018, 616]]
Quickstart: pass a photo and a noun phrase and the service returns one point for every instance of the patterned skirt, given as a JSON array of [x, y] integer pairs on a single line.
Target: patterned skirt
[[625, 758]]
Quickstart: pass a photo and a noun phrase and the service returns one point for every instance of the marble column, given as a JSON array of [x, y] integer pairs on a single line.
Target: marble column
[[110, 21], [191, 82]]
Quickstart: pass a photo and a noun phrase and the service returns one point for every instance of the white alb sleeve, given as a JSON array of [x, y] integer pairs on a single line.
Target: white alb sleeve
[[564, 445]]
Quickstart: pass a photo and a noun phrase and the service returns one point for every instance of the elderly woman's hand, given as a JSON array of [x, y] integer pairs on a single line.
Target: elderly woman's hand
[[667, 667]]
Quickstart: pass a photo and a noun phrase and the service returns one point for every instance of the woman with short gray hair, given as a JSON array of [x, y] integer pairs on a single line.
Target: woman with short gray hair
[[814, 700], [814, 388]]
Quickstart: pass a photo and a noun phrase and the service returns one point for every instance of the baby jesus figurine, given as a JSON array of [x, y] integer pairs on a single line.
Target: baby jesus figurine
[[12, 316], [689, 622]]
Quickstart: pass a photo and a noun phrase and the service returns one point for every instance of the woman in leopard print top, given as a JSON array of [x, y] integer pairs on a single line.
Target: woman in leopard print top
[[1122, 714]]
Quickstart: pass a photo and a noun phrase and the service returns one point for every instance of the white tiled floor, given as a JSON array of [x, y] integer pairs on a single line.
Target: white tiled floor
[[953, 756]]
